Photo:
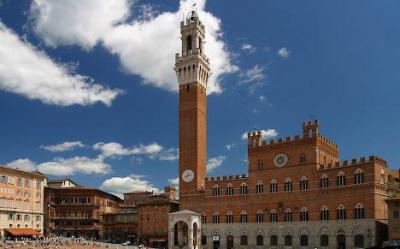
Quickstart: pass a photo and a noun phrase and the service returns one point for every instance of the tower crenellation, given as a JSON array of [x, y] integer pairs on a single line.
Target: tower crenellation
[[192, 65]]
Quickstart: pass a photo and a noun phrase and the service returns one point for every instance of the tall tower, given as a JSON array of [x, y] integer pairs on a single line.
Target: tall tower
[[192, 69]]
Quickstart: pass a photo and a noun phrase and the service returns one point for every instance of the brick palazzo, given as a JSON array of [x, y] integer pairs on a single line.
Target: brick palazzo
[[297, 192]]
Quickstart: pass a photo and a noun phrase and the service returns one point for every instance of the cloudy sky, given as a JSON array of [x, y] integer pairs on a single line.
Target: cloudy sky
[[87, 89]]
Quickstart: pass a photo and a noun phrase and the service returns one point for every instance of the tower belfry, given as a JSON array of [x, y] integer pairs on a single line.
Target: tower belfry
[[192, 70]]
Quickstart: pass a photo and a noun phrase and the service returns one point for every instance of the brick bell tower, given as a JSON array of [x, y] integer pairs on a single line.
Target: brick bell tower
[[192, 70]]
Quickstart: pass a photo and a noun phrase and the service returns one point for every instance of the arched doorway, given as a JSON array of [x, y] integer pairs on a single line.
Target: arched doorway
[[229, 242], [181, 236], [341, 241]]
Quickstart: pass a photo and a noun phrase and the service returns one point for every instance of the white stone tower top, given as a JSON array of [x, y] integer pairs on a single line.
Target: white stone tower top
[[192, 66]]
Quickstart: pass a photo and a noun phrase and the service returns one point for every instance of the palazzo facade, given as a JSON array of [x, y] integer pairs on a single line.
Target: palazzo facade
[[297, 192]]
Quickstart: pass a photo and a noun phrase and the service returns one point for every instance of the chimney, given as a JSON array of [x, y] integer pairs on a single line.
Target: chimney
[[170, 191]]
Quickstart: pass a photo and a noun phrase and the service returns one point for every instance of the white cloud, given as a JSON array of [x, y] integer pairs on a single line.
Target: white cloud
[[23, 164], [115, 149], [248, 47], [26, 71], [230, 146], [120, 185], [65, 167], [266, 134], [174, 181], [284, 52], [253, 77], [171, 154], [270, 133], [145, 46], [262, 98], [71, 22], [66, 146], [215, 162]]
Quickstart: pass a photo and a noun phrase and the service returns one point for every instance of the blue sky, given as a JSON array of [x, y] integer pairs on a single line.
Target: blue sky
[[98, 75]]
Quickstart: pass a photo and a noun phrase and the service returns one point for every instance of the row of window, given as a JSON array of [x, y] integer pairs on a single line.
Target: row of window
[[288, 185], [359, 213], [288, 240], [24, 217], [19, 204], [20, 181]]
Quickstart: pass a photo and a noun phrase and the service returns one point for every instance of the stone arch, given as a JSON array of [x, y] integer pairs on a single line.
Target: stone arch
[[273, 231], [357, 230], [324, 230], [340, 230], [287, 230], [303, 231], [181, 233]]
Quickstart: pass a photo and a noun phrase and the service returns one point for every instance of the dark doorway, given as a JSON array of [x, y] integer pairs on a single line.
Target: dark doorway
[[229, 242], [341, 241], [216, 244]]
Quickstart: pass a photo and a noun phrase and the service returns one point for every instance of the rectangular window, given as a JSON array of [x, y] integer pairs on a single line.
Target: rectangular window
[[38, 184], [3, 179], [10, 180], [19, 181]]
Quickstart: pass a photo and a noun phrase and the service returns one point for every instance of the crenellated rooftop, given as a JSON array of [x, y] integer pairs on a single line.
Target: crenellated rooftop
[[354, 161], [310, 131]]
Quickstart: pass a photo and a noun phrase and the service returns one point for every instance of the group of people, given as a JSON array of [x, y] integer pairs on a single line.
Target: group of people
[[50, 243]]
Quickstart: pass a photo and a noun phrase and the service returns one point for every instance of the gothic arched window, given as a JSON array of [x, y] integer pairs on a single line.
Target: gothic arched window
[[341, 212], [273, 186], [229, 217], [259, 187], [358, 176], [341, 179], [229, 189], [260, 164], [288, 215], [303, 183], [260, 216], [215, 218], [304, 214], [324, 213], [359, 211], [324, 182], [288, 185], [215, 190], [189, 43], [243, 189], [243, 217], [273, 216]]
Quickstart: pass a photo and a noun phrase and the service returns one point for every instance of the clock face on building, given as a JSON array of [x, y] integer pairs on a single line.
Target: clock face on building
[[280, 160], [188, 175]]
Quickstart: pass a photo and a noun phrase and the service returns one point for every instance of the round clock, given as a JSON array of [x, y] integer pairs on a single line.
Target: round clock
[[280, 160], [188, 175]]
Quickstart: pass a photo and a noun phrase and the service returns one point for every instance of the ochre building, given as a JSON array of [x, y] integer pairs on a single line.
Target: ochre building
[[296, 193], [21, 203]]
